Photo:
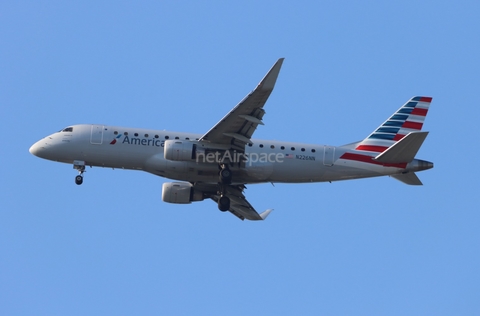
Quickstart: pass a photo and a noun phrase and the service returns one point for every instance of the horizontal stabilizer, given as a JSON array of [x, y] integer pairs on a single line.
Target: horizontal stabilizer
[[404, 150], [264, 215], [408, 178]]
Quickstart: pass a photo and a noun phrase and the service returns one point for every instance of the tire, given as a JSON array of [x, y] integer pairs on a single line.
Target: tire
[[225, 176], [78, 180], [223, 203], [226, 173]]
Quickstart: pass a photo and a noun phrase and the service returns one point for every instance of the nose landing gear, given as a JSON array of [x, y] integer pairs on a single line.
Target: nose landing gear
[[79, 179], [80, 166]]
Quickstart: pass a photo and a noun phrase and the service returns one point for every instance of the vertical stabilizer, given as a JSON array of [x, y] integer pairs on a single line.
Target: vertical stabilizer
[[409, 118]]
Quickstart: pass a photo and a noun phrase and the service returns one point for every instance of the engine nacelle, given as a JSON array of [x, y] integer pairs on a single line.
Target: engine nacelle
[[179, 150], [180, 193]]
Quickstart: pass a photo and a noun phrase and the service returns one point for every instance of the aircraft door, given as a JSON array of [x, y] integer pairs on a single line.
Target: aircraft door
[[97, 135], [328, 155]]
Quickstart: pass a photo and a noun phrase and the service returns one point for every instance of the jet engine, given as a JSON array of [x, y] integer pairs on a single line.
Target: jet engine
[[180, 193], [185, 150], [179, 150]]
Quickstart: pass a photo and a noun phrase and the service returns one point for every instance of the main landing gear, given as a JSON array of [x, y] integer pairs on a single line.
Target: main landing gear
[[223, 203], [80, 166], [225, 178]]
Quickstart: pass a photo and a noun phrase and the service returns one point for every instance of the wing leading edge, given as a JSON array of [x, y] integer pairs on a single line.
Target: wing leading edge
[[237, 127]]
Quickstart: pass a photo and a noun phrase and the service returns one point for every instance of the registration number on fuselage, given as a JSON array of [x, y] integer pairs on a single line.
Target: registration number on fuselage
[[304, 157]]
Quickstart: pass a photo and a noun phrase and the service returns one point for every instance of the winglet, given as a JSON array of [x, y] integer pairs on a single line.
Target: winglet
[[268, 82], [264, 215]]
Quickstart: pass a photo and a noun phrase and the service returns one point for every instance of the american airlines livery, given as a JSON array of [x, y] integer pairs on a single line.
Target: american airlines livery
[[218, 164]]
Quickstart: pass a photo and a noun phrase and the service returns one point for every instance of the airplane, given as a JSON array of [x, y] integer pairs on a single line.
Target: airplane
[[219, 164]]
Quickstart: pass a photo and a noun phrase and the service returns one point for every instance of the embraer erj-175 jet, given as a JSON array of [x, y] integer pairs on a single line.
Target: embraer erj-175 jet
[[218, 164]]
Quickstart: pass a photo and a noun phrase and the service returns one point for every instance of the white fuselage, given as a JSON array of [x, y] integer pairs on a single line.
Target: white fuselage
[[269, 161]]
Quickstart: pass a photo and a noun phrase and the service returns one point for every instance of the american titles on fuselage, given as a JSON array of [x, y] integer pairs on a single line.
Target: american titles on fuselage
[[216, 157]]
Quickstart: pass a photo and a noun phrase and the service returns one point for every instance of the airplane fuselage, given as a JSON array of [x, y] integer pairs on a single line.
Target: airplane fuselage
[[268, 161]]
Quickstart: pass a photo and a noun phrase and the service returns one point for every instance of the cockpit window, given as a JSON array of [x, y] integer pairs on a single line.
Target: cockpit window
[[68, 129]]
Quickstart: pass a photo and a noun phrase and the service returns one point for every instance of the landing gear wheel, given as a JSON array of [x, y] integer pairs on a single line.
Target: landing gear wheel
[[78, 179], [225, 176], [223, 203], [80, 166]]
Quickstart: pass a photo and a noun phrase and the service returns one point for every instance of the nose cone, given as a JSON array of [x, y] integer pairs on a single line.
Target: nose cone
[[35, 149], [39, 149]]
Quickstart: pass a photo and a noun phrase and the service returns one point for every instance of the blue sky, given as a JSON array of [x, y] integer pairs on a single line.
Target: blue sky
[[363, 247]]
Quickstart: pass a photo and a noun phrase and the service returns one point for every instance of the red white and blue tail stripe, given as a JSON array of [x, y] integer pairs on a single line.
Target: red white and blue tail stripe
[[409, 118]]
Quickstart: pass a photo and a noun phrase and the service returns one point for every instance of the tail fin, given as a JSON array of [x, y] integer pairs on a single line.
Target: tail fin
[[409, 118]]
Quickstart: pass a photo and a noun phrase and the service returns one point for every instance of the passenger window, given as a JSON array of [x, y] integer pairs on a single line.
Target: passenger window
[[271, 146], [146, 135], [293, 148], [187, 138], [115, 133], [261, 145], [282, 148], [156, 136], [136, 134], [313, 150], [126, 133], [303, 149], [166, 137], [176, 137], [250, 145]]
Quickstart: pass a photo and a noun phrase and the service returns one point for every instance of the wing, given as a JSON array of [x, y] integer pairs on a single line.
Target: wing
[[237, 127], [239, 206]]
